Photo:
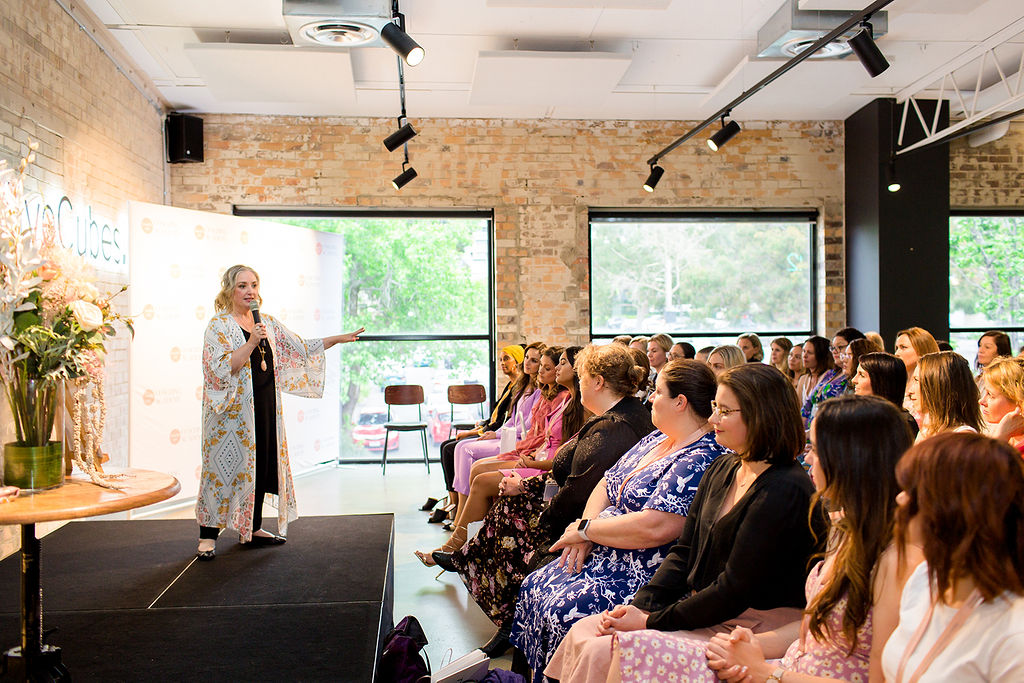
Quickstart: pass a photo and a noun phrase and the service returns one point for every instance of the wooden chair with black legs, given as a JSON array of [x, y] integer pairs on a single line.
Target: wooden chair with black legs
[[404, 395], [465, 395]]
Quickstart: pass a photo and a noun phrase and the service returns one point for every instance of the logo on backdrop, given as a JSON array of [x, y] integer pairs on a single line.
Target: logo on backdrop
[[243, 237], [148, 312], [175, 437], [175, 271], [148, 397], [79, 231], [200, 312], [147, 225], [175, 354]]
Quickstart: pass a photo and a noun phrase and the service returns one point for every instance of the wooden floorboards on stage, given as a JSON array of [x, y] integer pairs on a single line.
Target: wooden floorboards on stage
[[130, 604]]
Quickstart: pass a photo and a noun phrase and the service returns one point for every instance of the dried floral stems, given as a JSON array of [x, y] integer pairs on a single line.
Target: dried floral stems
[[90, 418]]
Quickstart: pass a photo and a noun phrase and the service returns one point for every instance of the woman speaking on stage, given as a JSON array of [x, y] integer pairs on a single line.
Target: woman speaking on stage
[[248, 360]]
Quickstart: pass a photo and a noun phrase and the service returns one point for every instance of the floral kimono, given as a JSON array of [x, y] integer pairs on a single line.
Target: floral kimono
[[227, 485]]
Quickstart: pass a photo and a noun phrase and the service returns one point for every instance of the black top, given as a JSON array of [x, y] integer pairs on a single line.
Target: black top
[[757, 555], [501, 410], [264, 399], [579, 464]]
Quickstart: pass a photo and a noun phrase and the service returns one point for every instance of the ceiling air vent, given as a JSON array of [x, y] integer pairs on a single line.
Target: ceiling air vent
[[792, 30], [336, 23]]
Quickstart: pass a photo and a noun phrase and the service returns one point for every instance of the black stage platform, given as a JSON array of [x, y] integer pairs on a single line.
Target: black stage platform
[[130, 604]]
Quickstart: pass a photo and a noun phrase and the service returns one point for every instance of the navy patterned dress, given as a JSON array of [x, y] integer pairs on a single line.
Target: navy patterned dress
[[551, 599]]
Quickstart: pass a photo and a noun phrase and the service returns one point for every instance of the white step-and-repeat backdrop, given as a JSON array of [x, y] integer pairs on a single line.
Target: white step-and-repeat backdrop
[[176, 262]]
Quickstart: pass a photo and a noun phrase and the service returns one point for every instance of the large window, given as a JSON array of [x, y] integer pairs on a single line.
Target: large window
[[702, 277], [986, 278], [420, 285]]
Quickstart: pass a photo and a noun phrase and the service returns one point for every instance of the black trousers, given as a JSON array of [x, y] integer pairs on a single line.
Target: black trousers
[[448, 462]]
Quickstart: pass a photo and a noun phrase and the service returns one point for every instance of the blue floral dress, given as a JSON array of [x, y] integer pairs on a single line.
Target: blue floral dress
[[832, 384], [551, 600]]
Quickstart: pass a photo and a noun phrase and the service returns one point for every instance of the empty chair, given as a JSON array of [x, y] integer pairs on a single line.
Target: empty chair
[[404, 395], [465, 395]]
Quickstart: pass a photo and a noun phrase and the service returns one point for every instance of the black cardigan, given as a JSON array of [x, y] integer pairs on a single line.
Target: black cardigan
[[580, 464], [757, 555], [501, 410]]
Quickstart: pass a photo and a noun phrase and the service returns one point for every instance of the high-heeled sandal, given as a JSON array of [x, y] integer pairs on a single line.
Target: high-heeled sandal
[[442, 513], [457, 540], [429, 505]]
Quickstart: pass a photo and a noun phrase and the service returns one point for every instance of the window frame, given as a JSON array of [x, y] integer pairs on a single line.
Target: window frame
[[811, 216], [480, 214], [981, 213]]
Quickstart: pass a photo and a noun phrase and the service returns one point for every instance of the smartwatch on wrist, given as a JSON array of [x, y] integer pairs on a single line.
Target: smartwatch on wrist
[[776, 675], [582, 529]]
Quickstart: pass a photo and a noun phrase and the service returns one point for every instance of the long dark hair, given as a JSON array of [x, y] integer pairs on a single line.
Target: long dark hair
[[822, 355], [888, 375], [553, 353], [1002, 342], [858, 441], [574, 414]]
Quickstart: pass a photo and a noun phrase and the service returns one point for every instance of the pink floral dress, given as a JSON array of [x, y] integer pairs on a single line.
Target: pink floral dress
[[665, 656]]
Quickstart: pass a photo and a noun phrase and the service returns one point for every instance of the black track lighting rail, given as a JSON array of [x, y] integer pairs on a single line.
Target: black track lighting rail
[[854, 20]]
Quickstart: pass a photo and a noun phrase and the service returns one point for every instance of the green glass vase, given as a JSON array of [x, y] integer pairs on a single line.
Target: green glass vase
[[33, 461]]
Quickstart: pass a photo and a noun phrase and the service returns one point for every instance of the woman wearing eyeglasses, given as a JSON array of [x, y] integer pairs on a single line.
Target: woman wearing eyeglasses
[[632, 516], [743, 555]]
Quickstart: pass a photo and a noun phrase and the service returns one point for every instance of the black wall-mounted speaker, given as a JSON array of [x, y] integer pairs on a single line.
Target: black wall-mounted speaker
[[184, 138]]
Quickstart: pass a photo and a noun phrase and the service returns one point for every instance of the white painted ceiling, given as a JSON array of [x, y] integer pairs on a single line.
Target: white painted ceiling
[[591, 59]]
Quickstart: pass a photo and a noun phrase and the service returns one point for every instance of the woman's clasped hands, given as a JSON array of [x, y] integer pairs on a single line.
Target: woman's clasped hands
[[622, 618], [737, 657]]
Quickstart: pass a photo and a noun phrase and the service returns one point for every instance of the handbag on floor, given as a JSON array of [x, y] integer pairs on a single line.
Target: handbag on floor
[[401, 661]]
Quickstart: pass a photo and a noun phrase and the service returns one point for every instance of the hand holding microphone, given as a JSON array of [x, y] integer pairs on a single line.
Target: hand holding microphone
[[259, 330]]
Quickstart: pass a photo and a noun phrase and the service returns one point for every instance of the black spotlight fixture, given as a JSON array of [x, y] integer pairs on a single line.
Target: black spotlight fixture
[[892, 181], [863, 45], [727, 132], [401, 136], [653, 178], [405, 177], [395, 37]]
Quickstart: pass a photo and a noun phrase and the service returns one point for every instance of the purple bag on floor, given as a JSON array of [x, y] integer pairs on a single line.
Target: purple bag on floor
[[401, 661]]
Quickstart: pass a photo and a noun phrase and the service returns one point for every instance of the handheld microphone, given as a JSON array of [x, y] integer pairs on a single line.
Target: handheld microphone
[[254, 308]]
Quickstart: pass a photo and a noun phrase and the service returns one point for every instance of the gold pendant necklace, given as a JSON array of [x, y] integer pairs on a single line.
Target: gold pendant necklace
[[263, 358]]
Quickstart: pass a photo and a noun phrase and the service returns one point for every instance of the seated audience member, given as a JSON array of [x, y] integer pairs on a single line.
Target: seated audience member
[[511, 363], [849, 359], [779, 358], [494, 563], [817, 362], [703, 354], [658, 348], [485, 475], [795, 363], [945, 395], [528, 404], [911, 344], [842, 339], [630, 519], [751, 505], [640, 343], [1002, 400], [724, 357], [991, 345], [884, 375], [853, 594], [831, 382], [962, 610], [750, 345], [640, 358], [944, 345], [682, 351], [877, 338], [623, 339]]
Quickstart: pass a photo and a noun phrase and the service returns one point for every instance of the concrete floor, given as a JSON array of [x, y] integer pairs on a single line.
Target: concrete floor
[[453, 623]]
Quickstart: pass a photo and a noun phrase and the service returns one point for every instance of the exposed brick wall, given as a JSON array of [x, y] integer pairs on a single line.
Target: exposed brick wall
[[100, 143], [990, 176], [539, 176]]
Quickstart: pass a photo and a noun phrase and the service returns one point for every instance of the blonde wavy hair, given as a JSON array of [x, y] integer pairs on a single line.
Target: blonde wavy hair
[[227, 287], [1007, 375]]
